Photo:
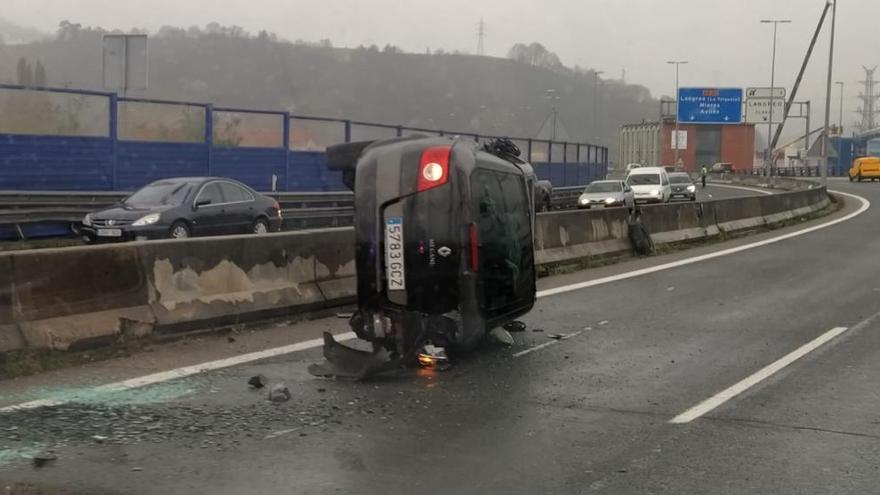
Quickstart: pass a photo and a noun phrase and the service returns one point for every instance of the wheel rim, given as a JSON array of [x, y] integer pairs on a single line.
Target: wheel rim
[[179, 232], [260, 228]]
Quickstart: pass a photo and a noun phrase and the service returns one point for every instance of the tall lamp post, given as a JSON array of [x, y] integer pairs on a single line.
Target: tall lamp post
[[677, 64], [596, 82], [771, 161], [825, 139]]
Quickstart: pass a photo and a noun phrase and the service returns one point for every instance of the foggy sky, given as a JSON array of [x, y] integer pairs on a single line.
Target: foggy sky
[[722, 39]]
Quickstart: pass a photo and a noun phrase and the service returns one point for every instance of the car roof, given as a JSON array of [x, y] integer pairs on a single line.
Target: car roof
[[192, 180], [679, 174], [647, 170], [604, 180]]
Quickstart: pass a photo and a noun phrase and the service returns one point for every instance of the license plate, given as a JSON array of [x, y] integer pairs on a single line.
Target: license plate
[[109, 232], [394, 263]]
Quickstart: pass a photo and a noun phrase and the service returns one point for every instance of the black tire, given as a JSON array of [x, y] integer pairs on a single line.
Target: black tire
[[860, 177], [850, 177], [179, 230], [260, 226]]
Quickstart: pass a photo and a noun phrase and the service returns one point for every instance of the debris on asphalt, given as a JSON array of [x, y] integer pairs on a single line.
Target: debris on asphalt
[[44, 458], [230, 339], [322, 389], [99, 438], [502, 336], [555, 336], [670, 289], [279, 393], [137, 468], [258, 381], [343, 316], [515, 326], [536, 330], [603, 322]]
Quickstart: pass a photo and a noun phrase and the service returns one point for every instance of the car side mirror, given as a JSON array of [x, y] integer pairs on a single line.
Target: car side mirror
[[202, 202]]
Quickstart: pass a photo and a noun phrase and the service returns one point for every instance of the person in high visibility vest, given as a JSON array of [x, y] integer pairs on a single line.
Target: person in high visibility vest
[[703, 173]]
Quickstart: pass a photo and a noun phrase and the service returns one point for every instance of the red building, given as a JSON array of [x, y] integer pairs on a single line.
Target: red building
[[710, 144]]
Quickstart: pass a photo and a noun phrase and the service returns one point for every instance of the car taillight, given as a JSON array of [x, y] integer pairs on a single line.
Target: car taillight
[[475, 247], [434, 167], [277, 206]]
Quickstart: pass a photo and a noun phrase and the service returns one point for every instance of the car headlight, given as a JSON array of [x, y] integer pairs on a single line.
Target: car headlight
[[655, 192], [610, 200], [584, 201], [147, 220], [87, 220], [692, 188]]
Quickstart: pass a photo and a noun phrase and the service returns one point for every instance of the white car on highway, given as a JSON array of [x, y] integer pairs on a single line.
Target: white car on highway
[[650, 184], [606, 193]]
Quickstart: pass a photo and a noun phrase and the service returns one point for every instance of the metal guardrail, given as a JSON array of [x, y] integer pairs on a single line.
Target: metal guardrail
[[299, 210]]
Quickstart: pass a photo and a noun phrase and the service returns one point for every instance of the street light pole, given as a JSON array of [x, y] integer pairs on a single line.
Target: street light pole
[[596, 101], [840, 117], [771, 162], [677, 64], [825, 137]]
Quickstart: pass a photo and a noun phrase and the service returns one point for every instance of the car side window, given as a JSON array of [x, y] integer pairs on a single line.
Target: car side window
[[234, 193], [212, 193]]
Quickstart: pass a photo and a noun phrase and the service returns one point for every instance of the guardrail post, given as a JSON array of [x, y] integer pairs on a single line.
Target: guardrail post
[[347, 131], [529, 152], [209, 136], [114, 139], [286, 151], [399, 131]]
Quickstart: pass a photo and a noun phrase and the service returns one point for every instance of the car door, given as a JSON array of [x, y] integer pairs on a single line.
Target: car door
[[209, 213], [240, 208]]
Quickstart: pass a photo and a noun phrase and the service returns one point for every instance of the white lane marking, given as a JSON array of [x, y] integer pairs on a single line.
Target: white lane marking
[[750, 381], [546, 344], [311, 344], [717, 254], [185, 371], [743, 188]]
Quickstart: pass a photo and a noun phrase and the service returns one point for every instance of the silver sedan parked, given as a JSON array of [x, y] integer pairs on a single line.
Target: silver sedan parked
[[605, 193]]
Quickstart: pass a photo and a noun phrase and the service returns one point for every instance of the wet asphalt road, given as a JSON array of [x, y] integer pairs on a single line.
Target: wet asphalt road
[[587, 415]]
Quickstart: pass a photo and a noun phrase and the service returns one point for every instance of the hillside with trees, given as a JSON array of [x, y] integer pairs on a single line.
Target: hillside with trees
[[228, 66]]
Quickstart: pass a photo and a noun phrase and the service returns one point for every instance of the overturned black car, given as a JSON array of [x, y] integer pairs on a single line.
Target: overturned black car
[[444, 232]]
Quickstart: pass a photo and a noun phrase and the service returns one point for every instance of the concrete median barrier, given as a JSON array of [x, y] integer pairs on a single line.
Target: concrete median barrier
[[67, 299], [72, 298], [567, 235]]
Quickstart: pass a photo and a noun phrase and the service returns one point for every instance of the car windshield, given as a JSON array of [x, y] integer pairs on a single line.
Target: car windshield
[[160, 194], [679, 179], [603, 187], [643, 180]]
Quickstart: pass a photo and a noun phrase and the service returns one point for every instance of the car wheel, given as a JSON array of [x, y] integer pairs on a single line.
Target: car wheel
[[859, 177], [850, 178], [261, 226], [179, 230]]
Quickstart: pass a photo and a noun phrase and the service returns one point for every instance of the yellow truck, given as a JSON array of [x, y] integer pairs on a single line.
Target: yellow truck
[[865, 168]]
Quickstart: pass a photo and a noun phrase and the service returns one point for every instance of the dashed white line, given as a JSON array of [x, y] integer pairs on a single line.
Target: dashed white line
[[546, 344], [750, 381]]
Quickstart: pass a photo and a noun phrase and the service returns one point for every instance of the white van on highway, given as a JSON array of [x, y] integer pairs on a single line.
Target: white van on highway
[[650, 184]]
